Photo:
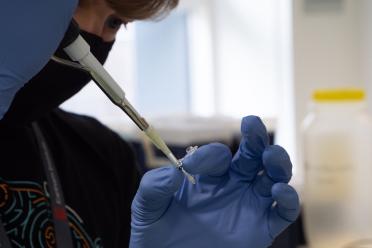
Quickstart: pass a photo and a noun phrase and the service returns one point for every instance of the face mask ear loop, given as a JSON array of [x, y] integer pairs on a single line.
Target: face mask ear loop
[[70, 63]]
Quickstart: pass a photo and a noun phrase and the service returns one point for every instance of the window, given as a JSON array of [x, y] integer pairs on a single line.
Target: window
[[207, 58]]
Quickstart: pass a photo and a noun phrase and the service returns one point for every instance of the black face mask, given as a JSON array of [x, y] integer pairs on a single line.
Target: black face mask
[[53, 85]]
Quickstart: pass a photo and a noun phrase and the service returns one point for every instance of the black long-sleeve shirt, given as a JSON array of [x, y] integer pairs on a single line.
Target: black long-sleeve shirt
[[97, 173]]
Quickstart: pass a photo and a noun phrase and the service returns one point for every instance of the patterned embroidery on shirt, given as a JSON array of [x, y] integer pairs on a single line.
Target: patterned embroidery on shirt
[[27, 217]]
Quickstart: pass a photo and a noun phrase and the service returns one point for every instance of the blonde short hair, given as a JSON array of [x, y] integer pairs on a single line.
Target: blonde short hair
[[142, 9]]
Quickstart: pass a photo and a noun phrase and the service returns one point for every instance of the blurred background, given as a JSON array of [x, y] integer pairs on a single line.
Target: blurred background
[[197, 72]]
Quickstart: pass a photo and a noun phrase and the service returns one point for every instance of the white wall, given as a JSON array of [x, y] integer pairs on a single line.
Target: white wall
[[285, 130], [235, 57], [366, 46], [327, 50], [247, 34]]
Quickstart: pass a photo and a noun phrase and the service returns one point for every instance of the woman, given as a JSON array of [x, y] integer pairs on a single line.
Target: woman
[[68, 181]]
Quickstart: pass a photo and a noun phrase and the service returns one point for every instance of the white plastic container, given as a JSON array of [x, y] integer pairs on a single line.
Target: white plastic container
[[337, 137]]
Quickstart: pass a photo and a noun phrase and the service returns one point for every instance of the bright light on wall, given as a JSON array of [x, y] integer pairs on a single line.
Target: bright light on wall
[[247, 57]]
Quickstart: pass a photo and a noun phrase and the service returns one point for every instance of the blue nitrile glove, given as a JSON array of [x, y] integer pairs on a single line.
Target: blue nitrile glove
[[232, 203], [30, 33]]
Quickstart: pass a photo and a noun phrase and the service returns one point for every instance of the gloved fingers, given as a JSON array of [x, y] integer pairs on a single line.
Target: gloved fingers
[[213, 160], [155, 193], [285, 211], [247, 161], [277, 168]]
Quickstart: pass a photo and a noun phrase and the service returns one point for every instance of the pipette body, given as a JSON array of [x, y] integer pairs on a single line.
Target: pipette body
[[79, 51]]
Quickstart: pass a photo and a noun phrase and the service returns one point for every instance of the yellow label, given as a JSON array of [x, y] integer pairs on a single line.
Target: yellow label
[[338, 95]]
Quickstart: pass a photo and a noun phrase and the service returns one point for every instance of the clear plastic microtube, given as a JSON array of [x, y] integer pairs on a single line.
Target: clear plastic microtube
[[189, 150]]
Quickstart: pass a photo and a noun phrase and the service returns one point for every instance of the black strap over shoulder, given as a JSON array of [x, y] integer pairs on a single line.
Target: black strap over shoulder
[[60, 221]]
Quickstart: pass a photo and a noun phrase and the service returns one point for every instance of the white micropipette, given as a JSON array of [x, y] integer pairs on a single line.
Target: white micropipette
[[79, 51]]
